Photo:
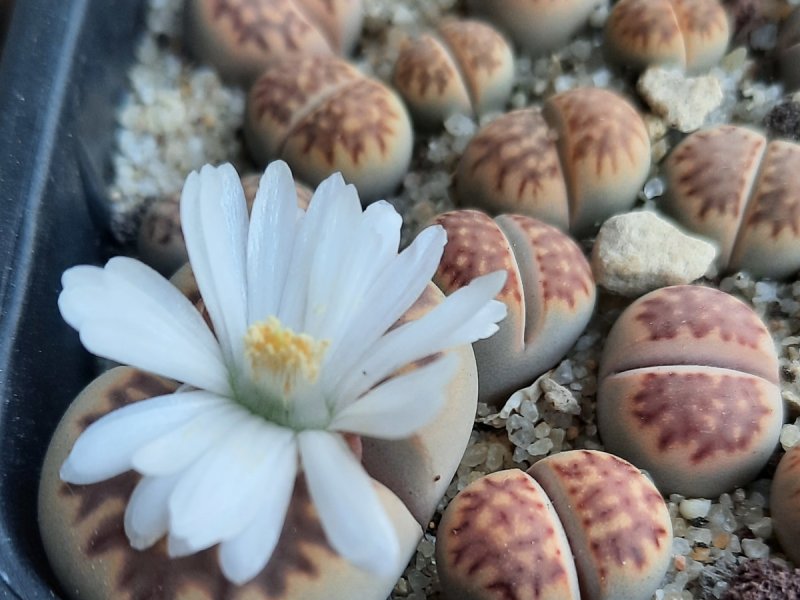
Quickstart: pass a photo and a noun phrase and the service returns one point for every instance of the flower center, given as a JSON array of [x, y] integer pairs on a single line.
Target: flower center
[[283, 356]]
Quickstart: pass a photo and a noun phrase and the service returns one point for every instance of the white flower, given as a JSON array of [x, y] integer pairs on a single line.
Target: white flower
[[301, 352]]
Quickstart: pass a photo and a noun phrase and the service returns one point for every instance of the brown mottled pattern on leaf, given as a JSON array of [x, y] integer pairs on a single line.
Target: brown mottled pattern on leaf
[[643, 23], [564, 272], [711, 168], [285, 89], [255, 21], [700, 311], [348, 120], [618, 508], [519, 143], [711, 414], [151, 573], [476, 46], [500, 538], [705, 17], [422, 65], [475, 247], [776, 202], [601, 127]]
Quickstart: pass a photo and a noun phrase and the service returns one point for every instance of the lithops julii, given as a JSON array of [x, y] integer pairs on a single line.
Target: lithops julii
[[537, 26], [321, 115], [689, 390], [465, 67], [692, 34], [729, 184], [785, 503], [581, 159], [579, 514], [550, 293], [241, 37]]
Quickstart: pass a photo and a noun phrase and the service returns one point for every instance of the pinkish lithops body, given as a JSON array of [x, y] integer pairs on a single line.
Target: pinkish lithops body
[[730, 184], [241, 37], [689, 390], [550, 293], [581, 159], [321, 115], [692, 34], [160, 242], [579, 524], [537, 26], [465, 67], [785, 503]]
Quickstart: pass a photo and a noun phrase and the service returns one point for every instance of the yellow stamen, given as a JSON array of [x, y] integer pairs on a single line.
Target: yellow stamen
[[285, 355]]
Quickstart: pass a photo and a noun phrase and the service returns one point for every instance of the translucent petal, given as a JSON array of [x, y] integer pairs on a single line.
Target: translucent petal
[[105, 449], [402, 406], [353, 519], [270, 240]]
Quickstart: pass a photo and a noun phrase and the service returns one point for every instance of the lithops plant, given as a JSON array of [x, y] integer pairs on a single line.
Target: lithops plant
[[785, 503], [730, 184], [691, 34], [321, 115], [160, 242], [465, 67], [689, 390], [579, 524], [573, 164], [241, 37], [549, 292], [537, 26]]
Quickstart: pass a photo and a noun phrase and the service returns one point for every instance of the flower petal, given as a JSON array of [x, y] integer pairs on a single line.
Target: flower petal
[[353, 519], [181, 446], [129, 313], [221, 492], [270, 240], [467, 315], [214, 219], [105, 449], [146, 516], [244, 556], [403, 405]]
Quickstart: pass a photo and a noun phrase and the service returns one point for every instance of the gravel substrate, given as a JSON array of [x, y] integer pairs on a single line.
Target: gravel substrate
[[179, 116]]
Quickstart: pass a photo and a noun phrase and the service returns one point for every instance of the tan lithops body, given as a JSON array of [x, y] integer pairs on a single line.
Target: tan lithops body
[[617, 523], [549, 293], [537, 26], [501, 539], [729, 184], [574, 164], [689, 390], [784, 503], [692, 34], [160, 242], [321, 116], [605, 153], [82, 530], [466, 67], [241, 37]]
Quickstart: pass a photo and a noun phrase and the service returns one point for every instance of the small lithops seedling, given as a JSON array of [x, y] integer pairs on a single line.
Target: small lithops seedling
[[241, 37], [689, 390], [732, 186], [160, 242], [692, 34], [579, 524], [537, 26], [788, 50], [785, 503], [550, 293], [321, 115], [466, 67], [581, 159]]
